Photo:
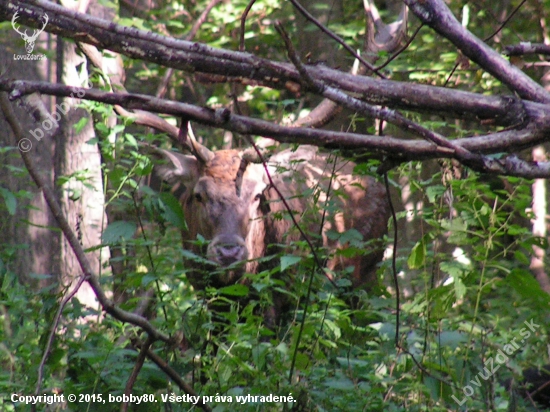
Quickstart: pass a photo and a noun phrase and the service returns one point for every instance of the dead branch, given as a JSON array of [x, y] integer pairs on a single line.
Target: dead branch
[[135, 372], [437, 15], [527, 48], [394, 149], [226, 65], [184, 386]]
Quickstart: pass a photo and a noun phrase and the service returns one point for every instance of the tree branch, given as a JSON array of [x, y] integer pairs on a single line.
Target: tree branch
[[184, 386], [389, 116], [437, 15], [527, 48], [244, 67], [397, 150]]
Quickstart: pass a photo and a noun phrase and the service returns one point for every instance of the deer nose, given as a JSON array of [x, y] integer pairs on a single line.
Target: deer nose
[[227, 249], [228, 254]]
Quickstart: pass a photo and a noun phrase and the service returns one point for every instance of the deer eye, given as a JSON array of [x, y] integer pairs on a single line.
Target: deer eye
[[258, 197], [198, 197]]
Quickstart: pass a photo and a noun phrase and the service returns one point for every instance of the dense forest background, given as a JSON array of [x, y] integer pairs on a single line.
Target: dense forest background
[[446, 103]]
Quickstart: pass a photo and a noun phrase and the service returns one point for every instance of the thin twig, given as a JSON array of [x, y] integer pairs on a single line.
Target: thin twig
[[143, 307], [161, 89], [426, 371], [505, 22], [316, 258], [293, 56], [439, 17], [184, 386], [201, 19], [335, 37], [402, 49], [288, 208], [539, 389], [285, 203], [487, 38], [135, 372], [448, 79], [243, 23], [51, 337], [394, 261], [310, 245], [87, 273], [309, 288]]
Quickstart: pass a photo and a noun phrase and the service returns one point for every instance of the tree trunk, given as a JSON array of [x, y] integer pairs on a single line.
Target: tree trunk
[[28, 249], [81, 196]]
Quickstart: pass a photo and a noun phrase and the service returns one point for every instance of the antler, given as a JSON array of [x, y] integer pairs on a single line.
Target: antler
[[187, 139], [381, 36]]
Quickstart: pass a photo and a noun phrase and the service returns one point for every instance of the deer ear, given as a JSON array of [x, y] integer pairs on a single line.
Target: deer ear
[[175, 167]]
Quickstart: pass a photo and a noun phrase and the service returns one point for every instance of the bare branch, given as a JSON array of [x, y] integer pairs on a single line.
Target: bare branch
[[161, 89], [527, 48], [228, 65], [321, 115], [184, 386], [475, 161], [135, 372], [401, 49], [51, 336], [437, 15], [531, 134], [505, 22], [243, 21], [201, 19]]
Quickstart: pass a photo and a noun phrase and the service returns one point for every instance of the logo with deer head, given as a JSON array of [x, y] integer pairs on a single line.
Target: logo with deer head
[[29, 40]]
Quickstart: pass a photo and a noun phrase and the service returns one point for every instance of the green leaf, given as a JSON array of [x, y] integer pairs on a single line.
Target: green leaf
[[172, 211], [9, 199], [523, 282], [117, 231], [458, 230], [418, 255], [514, 230], [453, 339], [435, 192], [234, 290], [352, 236], [302, 361], [80, 124], [520, 257], [289, 260], [460, 288], [131, 140], [343, 383]]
